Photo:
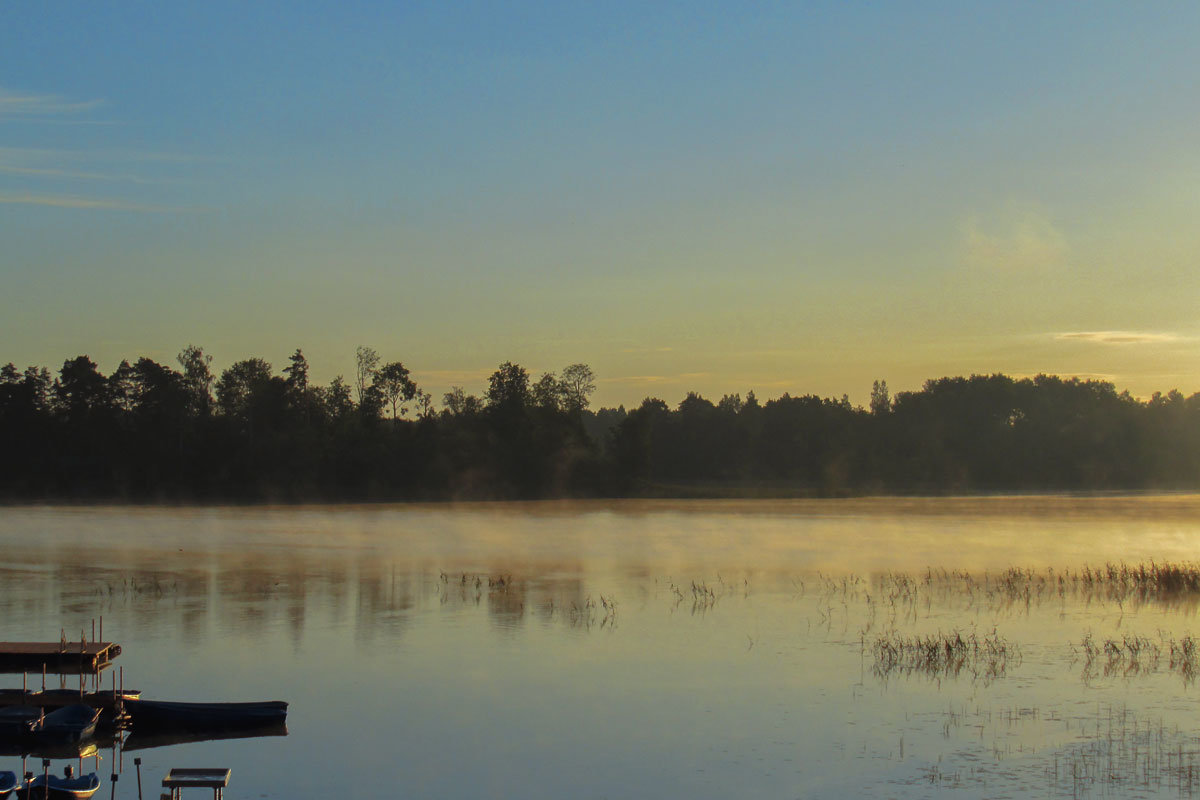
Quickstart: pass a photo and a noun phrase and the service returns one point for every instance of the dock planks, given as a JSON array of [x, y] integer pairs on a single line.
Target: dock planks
[[57, 656]]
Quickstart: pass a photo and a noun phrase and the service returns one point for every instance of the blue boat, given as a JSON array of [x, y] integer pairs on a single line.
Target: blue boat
[[66, 787], [69, 724], [8, 782]]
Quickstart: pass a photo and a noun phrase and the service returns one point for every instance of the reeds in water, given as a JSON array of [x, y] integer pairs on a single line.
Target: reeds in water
[[944, 655], [1139, 655]]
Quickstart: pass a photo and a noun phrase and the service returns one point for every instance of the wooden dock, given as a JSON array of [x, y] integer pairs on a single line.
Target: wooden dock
[[58, 657]]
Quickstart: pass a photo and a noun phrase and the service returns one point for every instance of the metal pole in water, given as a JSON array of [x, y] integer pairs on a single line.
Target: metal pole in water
[[46, 777], [137, 762], [113, 793]]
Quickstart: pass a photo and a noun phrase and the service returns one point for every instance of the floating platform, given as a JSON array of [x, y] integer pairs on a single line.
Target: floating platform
[[57, 657], [215, 778]]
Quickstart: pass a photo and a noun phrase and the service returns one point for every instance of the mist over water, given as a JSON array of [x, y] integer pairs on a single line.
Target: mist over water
[[642, 648]]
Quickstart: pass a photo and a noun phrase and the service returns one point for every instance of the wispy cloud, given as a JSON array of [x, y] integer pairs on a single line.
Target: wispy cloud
[[69, 174], [454, 377], [1025, 242], [41, 105], [641, 380], [74, 201], [57, 178], [1120, 337]]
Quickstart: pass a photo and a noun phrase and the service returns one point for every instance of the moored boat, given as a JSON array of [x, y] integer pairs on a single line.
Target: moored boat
[[144, 714], [69, 724], [8, 782], [67, 787]]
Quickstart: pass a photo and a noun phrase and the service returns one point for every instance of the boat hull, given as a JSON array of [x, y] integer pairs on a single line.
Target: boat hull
[[79, 788], [8, 782], [69, 724], [155, 714]]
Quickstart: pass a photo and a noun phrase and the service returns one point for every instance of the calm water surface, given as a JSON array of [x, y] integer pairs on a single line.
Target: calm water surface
[[640, 649]]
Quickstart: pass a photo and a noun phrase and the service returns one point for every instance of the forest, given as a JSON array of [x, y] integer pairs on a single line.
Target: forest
[[150, 432]]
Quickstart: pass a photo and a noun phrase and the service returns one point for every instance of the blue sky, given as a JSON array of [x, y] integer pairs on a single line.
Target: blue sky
[[788, 197]]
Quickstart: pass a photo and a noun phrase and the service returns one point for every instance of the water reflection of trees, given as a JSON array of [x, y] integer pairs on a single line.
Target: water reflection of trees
[[512, 601], [262, 593]]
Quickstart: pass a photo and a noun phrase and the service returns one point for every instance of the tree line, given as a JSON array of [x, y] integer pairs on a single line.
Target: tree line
[[153, 432]]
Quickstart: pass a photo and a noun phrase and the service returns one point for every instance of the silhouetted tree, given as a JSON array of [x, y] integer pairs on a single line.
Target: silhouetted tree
[[577, 384], [508, 387], [395, 386], [730, 403], [881, 401], [81, 390], [238, 384], [121, 387], [547, 392], [336, 399], [198, 377], [458, 402], [297, 374], [366, 360], [425, 407]]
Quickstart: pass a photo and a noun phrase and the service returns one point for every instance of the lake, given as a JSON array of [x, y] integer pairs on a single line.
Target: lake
[[969, 647]]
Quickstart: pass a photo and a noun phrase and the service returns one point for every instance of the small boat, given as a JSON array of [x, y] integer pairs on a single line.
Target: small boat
[[146, 714], [69, 724], [8, 782], [68, 787]]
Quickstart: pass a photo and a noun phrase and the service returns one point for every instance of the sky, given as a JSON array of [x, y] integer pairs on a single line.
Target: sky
[[693, 196]]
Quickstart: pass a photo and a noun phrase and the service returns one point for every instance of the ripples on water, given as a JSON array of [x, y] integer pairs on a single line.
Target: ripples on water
[[707, 649]]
